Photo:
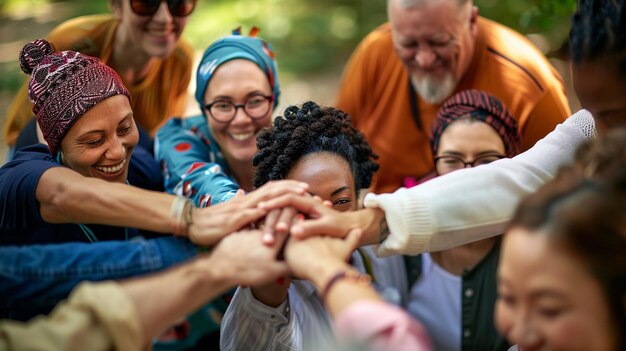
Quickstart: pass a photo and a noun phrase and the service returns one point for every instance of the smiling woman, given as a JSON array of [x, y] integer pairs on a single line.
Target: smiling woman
[[318, 146], [53, 193], [563, 266], [208, 157], [100, 143], [141, 41]]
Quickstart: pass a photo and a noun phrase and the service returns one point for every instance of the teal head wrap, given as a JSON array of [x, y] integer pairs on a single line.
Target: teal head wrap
[[233, 47]]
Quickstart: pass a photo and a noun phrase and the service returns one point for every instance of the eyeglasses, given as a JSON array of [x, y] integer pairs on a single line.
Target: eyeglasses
[[178, 8], [450, 163], [224, 111]]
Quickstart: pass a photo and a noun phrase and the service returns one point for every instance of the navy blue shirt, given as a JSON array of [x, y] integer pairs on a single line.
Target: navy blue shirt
[[20, 220]]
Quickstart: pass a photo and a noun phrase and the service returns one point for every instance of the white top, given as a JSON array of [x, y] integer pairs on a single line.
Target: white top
[[302, 322], [475, 203], [436, 303]]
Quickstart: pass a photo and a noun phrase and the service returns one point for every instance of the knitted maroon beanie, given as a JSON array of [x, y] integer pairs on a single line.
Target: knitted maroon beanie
[[64, 86], [481, 106]]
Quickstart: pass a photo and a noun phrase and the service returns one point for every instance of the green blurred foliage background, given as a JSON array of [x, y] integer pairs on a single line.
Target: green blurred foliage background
[[311, 37]]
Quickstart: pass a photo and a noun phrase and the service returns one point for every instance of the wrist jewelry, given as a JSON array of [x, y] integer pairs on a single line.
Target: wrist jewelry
[[351, 275], [180, 214]]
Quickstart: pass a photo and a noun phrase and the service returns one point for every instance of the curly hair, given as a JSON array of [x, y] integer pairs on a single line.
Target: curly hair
[[307, 130], [598, 30]]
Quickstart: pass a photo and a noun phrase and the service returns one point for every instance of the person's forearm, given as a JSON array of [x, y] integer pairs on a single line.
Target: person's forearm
[[180, 291], [66, 196], [373, 224], [104, 260], [95, 317], [342, 293], [473, 204]]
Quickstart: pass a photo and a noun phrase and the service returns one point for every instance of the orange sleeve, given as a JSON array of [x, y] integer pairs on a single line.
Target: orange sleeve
[[551, 110], [19, 113], [61, 37]]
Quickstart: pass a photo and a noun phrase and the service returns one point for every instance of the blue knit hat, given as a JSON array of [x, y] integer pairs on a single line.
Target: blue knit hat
[[233, 47]]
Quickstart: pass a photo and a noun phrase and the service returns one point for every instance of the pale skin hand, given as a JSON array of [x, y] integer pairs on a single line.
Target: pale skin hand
[[318, 258], [280, 220], [237, 259], [320, 252], [325, 221], [275, 293], [241, 258], [308, 258], [276, 222], [211, 224]]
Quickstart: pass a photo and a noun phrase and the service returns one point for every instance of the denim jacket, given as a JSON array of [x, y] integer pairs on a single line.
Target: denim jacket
[[34, 278]]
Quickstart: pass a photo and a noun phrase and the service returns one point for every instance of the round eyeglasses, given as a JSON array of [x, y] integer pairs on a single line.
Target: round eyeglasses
[[448, 163], [178, 8], [255, 107]]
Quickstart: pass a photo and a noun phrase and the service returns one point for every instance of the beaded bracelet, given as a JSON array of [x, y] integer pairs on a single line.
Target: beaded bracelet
[[180, 213], [354, 276]]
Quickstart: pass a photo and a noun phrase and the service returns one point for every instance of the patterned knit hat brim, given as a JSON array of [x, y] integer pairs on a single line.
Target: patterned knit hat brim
[[64, 86], [481, 106]]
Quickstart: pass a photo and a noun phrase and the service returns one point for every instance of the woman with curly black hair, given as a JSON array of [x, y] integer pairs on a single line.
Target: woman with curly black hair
[[311, 130], [316, 145]]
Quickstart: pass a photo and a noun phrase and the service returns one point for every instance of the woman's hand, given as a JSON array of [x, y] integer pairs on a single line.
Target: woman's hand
[[322, 220], [280, 220], [211, 224], [241, 259], [315, 257]]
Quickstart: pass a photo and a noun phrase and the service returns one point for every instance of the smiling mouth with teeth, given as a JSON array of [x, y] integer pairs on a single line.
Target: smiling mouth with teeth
[[241, 137], [112, 169]]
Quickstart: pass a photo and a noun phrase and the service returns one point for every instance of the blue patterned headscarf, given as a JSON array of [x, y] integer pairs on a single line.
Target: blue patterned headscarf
[[233, 47]]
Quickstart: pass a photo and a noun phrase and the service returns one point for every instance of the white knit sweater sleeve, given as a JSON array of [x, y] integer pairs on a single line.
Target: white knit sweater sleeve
[[476, 203]]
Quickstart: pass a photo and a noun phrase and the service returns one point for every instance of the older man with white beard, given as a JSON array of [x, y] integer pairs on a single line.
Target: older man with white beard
[[403, 71]]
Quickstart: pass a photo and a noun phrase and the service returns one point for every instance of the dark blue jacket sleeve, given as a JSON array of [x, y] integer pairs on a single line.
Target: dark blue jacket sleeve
[[19, 208]]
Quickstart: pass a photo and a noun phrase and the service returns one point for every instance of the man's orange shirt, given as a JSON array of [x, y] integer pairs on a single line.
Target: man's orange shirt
[[375, 93], [160, 95]]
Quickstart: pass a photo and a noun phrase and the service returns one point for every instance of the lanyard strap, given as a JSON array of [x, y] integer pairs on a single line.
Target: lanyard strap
[[92, 236], [415, 113]]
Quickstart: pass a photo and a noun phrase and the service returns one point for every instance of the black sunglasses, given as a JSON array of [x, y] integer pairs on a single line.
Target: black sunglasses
[[178, 8]]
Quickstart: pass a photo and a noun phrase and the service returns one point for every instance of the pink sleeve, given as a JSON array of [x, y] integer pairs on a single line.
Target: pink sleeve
[[381, 326]]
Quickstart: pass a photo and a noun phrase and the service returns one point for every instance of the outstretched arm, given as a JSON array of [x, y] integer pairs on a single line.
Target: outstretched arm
[[477, 203], [128, 315], [451, 210], [31, 290], [65, 196], [360, 314]]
